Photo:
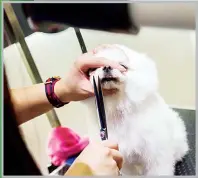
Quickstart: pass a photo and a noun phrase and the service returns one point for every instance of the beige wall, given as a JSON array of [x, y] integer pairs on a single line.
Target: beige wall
[[167, 14], [172, 50]]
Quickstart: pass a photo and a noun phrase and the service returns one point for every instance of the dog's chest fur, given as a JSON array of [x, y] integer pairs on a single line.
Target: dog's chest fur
[[133, 128], [148, 134]]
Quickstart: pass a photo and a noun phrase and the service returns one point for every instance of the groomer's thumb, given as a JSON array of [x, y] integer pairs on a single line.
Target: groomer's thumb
[[117, 156], [110, 144], [87, 87]]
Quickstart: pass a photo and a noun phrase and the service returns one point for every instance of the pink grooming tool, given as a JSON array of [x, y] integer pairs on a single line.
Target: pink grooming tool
[[64, 143]]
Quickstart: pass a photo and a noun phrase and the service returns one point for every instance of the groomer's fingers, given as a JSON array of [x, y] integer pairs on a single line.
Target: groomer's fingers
[[106, 143], [113, 148], [110, 144], [95, 62], [87, 87], [114, 152], [87, 61], [117, 157]]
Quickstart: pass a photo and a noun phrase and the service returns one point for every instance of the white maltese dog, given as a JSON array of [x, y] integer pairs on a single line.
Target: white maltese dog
[[151, 136]]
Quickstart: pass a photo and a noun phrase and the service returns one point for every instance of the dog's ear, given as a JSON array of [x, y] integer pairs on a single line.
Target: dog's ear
[[142, 81]]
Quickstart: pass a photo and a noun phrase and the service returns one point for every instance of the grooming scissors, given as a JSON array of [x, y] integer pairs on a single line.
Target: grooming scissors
[[101, 109]]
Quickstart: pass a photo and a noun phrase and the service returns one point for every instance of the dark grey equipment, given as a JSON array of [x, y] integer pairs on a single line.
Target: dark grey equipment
[[188, 165]]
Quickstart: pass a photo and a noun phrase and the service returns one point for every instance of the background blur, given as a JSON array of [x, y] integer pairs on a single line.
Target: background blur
[[167, 35]]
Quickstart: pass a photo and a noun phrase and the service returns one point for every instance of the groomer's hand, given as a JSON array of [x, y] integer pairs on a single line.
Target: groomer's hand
[[76, 85], [99, 159]]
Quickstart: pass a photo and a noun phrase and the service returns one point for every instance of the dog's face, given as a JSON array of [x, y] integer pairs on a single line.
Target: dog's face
[[111, 78], [137, 82]]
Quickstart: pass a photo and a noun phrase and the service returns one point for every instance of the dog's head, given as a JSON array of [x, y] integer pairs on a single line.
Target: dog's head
[[140, 78], [110, 78]]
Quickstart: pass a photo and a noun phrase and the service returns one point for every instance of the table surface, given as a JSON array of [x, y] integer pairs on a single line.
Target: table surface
[[188, 165]]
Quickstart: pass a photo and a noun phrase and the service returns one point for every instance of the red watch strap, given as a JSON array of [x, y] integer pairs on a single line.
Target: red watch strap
[[49, 90]]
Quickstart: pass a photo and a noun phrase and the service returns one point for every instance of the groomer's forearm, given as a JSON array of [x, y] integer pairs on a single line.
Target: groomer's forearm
[[30, 102]]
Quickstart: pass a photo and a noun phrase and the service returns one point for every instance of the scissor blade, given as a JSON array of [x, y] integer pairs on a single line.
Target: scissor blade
[[95, 88], [101, 113], [104, 124], [98, 103]]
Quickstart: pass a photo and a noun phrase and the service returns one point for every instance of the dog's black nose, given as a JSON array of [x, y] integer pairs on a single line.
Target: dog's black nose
[[107, 69]]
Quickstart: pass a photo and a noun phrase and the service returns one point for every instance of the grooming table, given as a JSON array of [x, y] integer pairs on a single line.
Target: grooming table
[[188, 166]]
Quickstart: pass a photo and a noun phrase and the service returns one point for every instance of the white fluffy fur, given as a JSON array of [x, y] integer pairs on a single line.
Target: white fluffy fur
[[151, 136]]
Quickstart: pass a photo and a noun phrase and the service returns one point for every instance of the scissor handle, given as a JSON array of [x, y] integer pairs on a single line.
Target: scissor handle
[[103, 134]]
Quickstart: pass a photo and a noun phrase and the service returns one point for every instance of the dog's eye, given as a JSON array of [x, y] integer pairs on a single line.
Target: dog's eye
[[124, 66]]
